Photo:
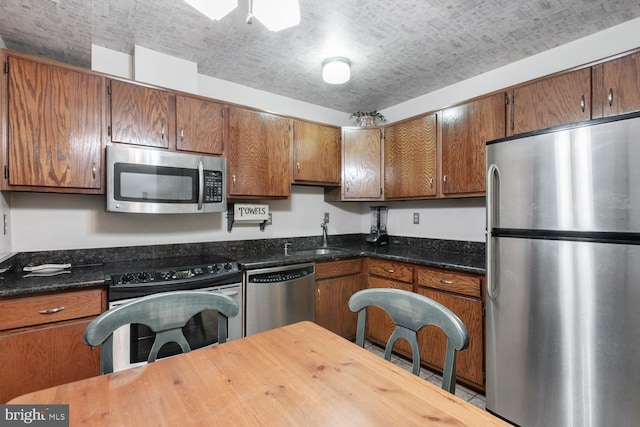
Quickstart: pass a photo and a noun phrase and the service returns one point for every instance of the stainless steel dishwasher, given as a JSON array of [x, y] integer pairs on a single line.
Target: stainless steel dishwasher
[[279, 296]]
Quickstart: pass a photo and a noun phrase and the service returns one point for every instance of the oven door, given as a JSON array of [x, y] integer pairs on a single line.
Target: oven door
[[132, 343]]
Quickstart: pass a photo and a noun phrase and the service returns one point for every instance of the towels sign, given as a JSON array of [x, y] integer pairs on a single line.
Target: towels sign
[[250, 212]]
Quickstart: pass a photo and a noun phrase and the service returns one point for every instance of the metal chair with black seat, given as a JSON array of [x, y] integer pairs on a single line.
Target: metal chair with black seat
[[411, 312], [165, 314]]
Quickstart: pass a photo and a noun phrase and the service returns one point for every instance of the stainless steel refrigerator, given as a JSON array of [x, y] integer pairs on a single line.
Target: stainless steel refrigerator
[[563, 276]]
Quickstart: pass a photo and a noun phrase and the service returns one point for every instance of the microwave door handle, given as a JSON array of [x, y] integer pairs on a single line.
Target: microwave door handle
[[200, 184]]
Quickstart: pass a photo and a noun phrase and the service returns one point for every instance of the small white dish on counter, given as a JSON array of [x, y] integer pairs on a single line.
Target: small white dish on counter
[[47, 268]]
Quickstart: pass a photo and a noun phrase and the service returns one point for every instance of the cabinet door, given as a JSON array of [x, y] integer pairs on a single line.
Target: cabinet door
[[139, 115], [621, 85], [200, 125], [362, 157], [432, 341], [259, 163], [38, 358], [316, 153], [410, 159], [332, 304], [551, 102], [379, 323], [465, 131], [55, 126]]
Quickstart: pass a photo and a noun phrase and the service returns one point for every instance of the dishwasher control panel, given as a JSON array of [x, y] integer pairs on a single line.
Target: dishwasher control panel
[[282, 276]]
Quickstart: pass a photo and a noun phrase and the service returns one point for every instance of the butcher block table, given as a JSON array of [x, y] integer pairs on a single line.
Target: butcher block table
[[297, 375]]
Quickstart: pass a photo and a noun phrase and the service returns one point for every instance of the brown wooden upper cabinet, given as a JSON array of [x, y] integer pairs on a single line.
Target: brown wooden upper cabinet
[[316, 153], [616, 86], [553, 101], [362, 163], [139, 115], [199, 125], [410, 159], [259, 162], [54, 127], [465, 130]]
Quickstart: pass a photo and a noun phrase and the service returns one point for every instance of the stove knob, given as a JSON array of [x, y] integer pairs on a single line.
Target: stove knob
[[144, 276], [216, 268], [228, 266], [126, 278]]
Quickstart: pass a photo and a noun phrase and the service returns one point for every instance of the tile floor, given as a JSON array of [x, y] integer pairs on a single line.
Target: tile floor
[[461, 391]]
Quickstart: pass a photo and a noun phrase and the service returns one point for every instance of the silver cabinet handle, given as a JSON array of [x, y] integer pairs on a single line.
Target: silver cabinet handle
[[181, 134], [51, 310], [444, 179], [163, 133], [93, 170], [431, 182], [446, 282], [298, 166], [318, 293], [610, 97], [233, 178], [389, 270], [582, 104]]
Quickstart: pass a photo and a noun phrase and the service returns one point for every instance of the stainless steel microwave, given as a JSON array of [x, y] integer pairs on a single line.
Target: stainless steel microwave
[[146, 180]]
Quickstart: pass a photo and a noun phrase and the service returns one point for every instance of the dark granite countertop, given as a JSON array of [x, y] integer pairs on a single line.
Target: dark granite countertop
[[90, 266], [14, 282], [462, 262]]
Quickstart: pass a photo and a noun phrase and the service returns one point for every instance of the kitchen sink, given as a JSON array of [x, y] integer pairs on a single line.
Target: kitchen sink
[[318, 251]]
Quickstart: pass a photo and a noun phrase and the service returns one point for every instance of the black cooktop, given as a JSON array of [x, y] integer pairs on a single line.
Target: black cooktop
[[139, 278]]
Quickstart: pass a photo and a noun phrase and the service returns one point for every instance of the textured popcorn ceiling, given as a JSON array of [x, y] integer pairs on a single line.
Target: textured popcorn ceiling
[[399, 49]]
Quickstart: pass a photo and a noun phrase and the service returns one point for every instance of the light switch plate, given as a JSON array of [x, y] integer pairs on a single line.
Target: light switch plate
[[269, 221], [326, 217], [416, 217]]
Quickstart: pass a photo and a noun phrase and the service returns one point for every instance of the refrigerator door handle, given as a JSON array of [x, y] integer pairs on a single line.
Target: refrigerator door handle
[[493, 193]]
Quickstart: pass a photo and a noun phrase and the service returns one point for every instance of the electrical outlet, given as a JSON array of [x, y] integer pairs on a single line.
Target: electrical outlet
[[326, 217], [416, 217], [269, 221]]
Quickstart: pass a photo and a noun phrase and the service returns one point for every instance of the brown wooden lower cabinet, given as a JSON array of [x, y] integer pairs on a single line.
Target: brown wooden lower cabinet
[[433, 341], [379, 324], [460, 292], [336, 281], [40, 349]]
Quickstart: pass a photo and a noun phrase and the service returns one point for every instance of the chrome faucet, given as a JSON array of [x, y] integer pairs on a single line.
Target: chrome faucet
[[324, 234]]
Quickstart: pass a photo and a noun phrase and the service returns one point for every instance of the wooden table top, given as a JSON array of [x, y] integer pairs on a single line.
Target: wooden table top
[[296, 375]]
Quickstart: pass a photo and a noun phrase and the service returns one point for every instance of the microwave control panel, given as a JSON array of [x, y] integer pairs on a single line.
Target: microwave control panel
[[213, 192]]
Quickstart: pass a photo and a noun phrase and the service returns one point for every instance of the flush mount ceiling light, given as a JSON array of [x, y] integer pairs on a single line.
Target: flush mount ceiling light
[[336, 70], [276, 15], [214, 10]]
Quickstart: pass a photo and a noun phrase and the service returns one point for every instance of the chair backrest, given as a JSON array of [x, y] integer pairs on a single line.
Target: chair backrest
[[165, 314], [410, 312]]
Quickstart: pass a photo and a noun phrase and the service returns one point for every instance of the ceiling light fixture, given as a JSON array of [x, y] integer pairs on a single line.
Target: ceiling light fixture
[[336, 70], [276, 15], [214, 10]]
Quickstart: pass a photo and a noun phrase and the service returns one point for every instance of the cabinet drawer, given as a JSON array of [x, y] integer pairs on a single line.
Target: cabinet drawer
[[452, 282], [347, 267], [36, 310], [391, 270]]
